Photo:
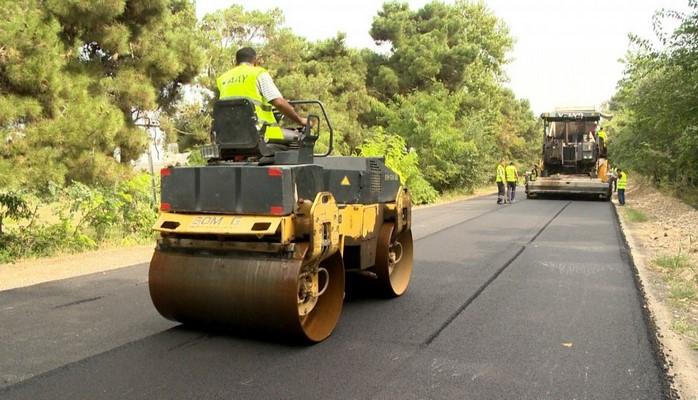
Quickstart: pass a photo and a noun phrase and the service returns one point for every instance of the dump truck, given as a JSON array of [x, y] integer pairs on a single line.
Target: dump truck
[[262, 240], [573, 160]]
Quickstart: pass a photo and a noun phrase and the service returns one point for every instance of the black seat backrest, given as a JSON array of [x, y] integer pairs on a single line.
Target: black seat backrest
[[235, 128]]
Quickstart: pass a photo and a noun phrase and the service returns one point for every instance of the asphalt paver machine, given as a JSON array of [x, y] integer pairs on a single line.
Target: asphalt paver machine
[[573, 162], [262, 239]]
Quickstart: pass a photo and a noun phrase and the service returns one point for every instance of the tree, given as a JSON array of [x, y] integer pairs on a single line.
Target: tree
[[74, 78], [441, 89], [439, 43], [655, 125]]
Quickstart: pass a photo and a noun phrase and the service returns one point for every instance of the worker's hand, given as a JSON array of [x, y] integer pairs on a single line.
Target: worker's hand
[[304, 121]]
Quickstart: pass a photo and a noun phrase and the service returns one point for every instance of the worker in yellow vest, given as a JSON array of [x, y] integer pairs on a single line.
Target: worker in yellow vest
[[512, 176], [248, 80], [500, 179], [622, 183], [603, 142]]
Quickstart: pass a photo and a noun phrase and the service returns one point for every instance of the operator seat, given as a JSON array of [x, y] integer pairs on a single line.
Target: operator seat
[[236, 130], [238, 134]]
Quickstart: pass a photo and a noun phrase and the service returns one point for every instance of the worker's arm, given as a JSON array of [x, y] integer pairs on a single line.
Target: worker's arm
[[287, 109], [271, 93]]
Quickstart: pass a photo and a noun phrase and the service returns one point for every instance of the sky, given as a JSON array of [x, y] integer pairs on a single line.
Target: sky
[[566, 52]]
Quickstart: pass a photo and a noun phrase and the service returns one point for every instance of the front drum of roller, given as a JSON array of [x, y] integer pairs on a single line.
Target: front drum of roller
[[246, 292]]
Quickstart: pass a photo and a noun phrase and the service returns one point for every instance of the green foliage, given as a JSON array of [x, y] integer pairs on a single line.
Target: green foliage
[[87, 217], [74, 78], [427, 120], [13, 205], [42, 240], [401, 160], [439, 43], [126, 208], [195, 158], [655, 128]]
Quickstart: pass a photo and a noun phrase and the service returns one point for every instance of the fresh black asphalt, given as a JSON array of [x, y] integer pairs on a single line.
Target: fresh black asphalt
[[533, 300]]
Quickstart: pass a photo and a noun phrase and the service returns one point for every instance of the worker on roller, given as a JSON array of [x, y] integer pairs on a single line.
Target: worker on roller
[[622, 183], [603, 141], [250, 81], [500, 179], [512, 176]]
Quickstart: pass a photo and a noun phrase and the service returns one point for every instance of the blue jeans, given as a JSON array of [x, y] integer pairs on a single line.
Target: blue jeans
[[621, 196], [511, 188]]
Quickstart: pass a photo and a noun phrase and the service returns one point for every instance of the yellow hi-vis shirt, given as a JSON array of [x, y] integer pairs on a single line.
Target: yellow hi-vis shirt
[[500, 173], [602, 135], [510, 171], [622, 180], [241, 81]]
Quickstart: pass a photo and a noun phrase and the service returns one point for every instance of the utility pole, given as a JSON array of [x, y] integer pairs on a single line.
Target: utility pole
[[148, 124]]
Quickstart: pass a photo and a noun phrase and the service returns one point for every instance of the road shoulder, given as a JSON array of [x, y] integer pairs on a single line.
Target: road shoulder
[[681, 360], [35, 271]]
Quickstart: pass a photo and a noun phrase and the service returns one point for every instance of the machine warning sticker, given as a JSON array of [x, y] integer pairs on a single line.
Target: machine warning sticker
[[345, 181]]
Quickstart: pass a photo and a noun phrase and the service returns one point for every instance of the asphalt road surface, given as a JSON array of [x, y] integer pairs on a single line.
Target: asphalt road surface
[[535, 300]]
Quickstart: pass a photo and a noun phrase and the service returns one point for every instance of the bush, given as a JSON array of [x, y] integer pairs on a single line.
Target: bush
[[13, 205], [127, 209], [87, 217], [404, 162], [41, 240]]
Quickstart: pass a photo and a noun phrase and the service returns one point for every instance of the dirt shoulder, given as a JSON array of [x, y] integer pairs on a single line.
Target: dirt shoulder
[[453, 198], [663, 238], [34, 271]]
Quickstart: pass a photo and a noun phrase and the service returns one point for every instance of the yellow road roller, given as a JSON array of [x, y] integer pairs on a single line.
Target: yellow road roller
[[263, 238]]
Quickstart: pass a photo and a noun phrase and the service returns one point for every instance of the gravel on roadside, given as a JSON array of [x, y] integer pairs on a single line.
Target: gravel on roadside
[[662, 234]]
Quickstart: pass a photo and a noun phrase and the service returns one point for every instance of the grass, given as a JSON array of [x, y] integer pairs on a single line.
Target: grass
[[683, 327], [682, 291], [679, 273], [633, 215], [679, 261], [688, 330]]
